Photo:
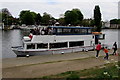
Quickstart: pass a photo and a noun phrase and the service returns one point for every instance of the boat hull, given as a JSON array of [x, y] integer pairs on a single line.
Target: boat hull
[[51, 51]]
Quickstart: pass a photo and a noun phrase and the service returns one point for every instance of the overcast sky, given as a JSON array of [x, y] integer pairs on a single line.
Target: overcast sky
[[109, 8]]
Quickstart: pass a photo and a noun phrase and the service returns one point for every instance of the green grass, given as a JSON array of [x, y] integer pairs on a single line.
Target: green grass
[[96, 72]]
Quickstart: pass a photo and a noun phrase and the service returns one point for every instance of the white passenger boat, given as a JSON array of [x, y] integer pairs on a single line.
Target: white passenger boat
[[61, 40]]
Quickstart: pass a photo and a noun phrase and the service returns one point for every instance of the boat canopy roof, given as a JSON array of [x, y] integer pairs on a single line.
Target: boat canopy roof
[[69, 27]]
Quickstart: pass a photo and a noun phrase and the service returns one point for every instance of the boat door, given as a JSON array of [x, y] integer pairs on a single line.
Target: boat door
[[99, 37], [96, 39]]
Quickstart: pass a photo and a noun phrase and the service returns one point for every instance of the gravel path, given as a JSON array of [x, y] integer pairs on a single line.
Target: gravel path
[[38, 66]]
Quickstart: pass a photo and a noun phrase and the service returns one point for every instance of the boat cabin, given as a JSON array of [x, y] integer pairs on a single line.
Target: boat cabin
[[59, 40], [63, 37]]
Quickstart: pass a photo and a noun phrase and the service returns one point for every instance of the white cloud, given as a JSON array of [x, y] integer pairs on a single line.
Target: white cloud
[[109, 9]]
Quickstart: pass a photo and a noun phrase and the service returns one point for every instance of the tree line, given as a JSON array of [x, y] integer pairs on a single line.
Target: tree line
[[115, 21], [72, 17]]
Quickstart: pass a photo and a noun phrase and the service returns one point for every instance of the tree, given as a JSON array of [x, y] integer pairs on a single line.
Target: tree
[[16, 21], [52, 21], [38, 19], [92, 23], [73, 17], [88, 22], [61, 21], [46, 18], [118, 21], [6, 19], [27, 17], [97, 18], [114, 21], [21, 16], [79, 14], [70, 17], [0, 17]]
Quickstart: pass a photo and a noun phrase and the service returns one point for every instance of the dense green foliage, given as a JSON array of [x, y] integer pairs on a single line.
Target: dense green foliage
[[97, 18], [87, 22], [110, 71], [73, 17], [27, 17], [38, 19], [8, 20], [115, 21], [32, 18], [46, 18], [61, 21]]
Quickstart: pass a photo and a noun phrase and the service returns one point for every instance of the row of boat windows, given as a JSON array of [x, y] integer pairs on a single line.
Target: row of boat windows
[[61, 31], [55, 45], [74, 31]]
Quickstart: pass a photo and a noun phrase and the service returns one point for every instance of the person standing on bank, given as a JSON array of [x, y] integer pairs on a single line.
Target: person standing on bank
[[106, 52], [115, 48], [98, 48]]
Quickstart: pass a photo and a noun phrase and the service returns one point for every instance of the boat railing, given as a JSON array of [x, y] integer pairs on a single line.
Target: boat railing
[[17, 47]]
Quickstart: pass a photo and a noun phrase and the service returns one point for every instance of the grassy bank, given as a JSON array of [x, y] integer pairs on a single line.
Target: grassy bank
[[105, 71]]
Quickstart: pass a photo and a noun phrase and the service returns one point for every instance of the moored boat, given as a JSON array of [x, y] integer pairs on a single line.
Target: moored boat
[[58, 40]]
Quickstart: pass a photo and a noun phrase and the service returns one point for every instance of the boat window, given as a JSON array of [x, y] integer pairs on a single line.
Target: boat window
[[72, 31], [84, 31], [42, 45], [66, 30], [59, 30], [77, 43], [58, 45], [89, 31], [77, 31], [30, 46]]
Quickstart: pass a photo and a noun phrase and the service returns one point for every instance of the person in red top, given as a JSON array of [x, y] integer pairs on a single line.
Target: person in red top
[[98, 48], [31, 35], [106, 52]]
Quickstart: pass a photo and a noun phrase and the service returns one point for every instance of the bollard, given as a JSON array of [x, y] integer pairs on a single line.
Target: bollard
[[27, 55], [62, 52]]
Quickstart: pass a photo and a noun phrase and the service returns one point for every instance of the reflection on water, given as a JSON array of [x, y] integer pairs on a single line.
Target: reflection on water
[[13, 38]]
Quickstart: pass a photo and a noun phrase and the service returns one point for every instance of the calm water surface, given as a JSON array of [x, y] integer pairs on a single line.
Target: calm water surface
[[13, 38]]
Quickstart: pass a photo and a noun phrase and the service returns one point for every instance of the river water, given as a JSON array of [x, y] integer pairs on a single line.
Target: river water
[[11, 38]]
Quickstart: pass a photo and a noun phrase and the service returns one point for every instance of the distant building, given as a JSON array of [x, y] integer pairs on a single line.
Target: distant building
[[115, 26], [57, 24]]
